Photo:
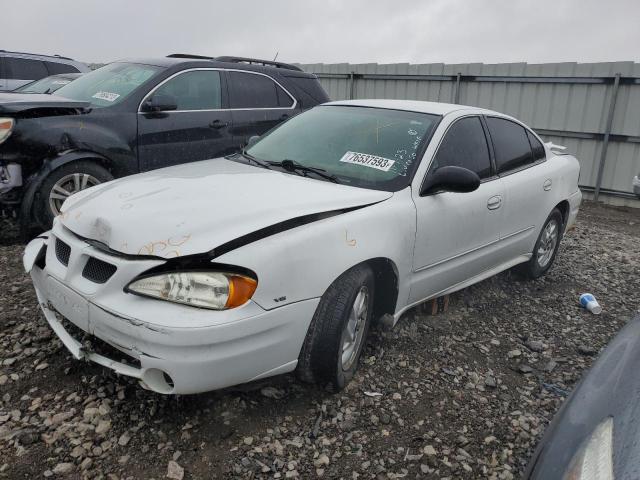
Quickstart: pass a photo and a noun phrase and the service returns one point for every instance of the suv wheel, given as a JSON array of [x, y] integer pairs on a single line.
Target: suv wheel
[[64, 182], [338, 331]]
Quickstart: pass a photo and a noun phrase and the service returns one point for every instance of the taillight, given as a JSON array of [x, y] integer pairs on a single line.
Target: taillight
[[6, 126]]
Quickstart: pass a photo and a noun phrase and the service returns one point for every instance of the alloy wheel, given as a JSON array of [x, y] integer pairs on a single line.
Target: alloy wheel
[[353, 332], [548, 242], [67, 186]]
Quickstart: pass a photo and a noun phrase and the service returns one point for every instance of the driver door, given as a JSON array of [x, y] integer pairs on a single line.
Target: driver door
[[457, 234], [198, 129]]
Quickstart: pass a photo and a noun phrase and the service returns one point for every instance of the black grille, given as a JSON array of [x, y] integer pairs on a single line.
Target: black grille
[[63, 252], [98, 271]]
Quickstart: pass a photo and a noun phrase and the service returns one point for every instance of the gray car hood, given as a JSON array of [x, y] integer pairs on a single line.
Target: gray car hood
[[196, 207]]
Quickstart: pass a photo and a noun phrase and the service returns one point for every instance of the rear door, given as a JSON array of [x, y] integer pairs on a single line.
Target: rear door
[[457, 233], [528, 181], [197, 130], [258, 103]]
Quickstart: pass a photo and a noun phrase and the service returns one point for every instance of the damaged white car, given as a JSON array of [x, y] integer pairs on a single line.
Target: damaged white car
[[209, 274]]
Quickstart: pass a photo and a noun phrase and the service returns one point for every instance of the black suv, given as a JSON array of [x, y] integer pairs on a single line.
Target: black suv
[[137, 115]]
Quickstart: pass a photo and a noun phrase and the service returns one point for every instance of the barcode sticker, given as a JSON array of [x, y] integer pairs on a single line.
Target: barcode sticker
[[366, 160]]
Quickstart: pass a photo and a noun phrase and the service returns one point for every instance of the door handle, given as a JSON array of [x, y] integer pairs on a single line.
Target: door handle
[[217, 124], [546, 186], [494, 202]]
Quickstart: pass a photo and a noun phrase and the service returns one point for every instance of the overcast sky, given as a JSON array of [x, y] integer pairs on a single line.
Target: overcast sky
[[356, 31]]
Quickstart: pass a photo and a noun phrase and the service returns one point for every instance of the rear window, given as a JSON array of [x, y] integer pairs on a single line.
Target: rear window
[[58, 68], [536, 147], [510, 143], [24, 69], [307, 90], [250, 90]]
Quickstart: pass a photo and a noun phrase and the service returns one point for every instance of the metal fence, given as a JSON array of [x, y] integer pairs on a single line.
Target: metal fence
[[592, 108]]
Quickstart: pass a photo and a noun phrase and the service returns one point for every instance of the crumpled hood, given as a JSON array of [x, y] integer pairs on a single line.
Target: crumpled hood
[[193, 208], [18, 102]]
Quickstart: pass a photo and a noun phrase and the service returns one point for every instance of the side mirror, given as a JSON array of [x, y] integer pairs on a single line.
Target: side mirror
[[450, 179], [160, 103], [253, 140]]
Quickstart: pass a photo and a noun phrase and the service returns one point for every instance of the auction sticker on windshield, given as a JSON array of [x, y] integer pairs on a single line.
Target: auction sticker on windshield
[[367, 160], [108, 96]]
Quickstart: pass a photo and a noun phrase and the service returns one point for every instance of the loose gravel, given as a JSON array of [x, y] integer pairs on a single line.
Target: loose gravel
[[465, 394]]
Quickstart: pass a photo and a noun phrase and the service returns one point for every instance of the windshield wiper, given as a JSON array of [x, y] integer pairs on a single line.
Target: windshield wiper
[[255, 160], [293, 166]]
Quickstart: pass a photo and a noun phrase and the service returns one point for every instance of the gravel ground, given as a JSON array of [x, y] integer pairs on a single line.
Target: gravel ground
[[465, 394]]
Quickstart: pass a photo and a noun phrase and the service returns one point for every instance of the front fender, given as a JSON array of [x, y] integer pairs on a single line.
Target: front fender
[[301, 263]]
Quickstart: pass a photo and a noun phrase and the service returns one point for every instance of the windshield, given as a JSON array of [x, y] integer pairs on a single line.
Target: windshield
[[108, 85], [44, 85], [365, 147]]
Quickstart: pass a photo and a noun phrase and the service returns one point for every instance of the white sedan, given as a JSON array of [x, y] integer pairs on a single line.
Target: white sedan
[[209, 274]]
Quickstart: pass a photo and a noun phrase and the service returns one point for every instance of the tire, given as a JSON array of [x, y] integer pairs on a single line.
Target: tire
[[72, 177], [545, 250], [325, 357]]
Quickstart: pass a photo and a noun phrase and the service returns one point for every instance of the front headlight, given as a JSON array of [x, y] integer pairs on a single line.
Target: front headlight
[[6, 126], [594, 460], [214, 290]]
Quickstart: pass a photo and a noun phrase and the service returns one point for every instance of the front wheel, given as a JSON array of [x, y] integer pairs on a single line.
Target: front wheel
[[338, 330], [546, 247], [64, 182]]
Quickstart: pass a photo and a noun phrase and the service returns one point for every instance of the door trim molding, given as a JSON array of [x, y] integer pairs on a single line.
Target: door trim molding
[[462, 254]]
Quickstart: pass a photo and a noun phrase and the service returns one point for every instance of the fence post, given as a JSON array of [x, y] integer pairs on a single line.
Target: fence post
[[352, 81], [607, 133], [456, 91]]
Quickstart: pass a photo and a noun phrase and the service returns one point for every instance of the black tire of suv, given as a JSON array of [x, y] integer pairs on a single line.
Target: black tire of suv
[[320, 359], [532, 269], [41, 211]]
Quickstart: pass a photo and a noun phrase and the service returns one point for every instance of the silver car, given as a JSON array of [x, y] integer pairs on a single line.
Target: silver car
[[17, 68], [636, 185]]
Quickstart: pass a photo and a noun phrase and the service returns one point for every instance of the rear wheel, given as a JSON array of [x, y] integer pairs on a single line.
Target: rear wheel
[[338, 331], [546, 247], [64, 182]]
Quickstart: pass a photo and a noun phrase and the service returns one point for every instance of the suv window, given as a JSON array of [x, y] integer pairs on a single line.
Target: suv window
[[249, 90], [536, 147], [195, 90], [510, 143], [25, 69], [465, 145], [58, 68]]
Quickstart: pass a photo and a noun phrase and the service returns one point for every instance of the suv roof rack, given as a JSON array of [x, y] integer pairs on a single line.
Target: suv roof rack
[[257, 61], [37, 54], [231, 59], [188, 55]]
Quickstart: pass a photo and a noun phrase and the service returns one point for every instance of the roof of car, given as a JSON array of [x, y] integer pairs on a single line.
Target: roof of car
[[220, 62], [435, 108]]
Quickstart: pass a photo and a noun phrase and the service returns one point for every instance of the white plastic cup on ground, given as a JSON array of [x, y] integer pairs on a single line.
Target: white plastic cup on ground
[[589, 302]]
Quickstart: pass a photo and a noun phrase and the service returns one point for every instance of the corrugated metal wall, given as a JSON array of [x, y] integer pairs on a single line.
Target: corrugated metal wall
[[567, 103]]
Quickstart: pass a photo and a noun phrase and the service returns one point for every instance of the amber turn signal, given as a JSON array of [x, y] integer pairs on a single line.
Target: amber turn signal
[[241, 289]]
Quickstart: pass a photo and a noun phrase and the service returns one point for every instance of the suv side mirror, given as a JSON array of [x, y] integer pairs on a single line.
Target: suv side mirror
[[450, 179], [160, 103], [253, 140]]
